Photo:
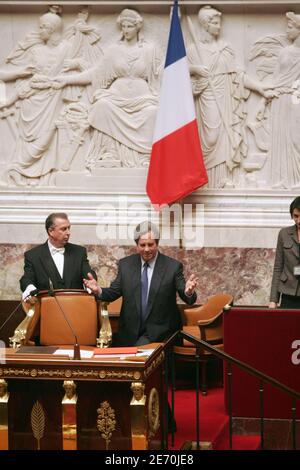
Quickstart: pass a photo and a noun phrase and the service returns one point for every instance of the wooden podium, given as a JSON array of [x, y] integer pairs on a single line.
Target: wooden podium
[[54, 403]]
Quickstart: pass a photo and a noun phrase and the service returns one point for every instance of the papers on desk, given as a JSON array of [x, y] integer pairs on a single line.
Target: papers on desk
[[116, 354], [145, 352], [127, 355], [84, 354]]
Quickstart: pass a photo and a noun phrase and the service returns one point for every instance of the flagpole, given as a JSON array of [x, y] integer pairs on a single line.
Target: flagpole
[[176, 166]]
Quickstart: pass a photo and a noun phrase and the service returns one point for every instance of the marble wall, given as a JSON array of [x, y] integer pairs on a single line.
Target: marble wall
[[245, 273]]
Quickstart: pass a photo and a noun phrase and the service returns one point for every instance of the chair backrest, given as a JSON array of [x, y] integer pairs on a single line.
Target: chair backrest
[[52, 314], [209, 311], [206, 321], [114, 307]]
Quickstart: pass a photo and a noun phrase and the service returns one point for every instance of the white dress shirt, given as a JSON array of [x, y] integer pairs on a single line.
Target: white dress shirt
[[58, 257]]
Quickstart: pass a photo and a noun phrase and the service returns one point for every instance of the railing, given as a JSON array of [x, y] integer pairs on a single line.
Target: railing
[[263, 378]]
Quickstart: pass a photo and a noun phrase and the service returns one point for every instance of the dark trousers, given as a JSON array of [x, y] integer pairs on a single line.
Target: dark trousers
[[290, 301]]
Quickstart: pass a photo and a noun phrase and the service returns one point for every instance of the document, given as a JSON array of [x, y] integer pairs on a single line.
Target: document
[[84, 354]]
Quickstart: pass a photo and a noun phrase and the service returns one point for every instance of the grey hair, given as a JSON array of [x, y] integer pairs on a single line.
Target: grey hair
[[145, 227], [50, 221]]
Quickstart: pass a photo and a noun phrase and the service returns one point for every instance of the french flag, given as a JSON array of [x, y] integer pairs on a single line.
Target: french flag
[[176, 167]]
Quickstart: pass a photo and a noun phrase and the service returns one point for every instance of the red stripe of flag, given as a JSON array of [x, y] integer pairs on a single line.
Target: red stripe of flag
[[177, 168]]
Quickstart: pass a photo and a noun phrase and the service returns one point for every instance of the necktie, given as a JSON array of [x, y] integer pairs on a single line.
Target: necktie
[[144, 291]]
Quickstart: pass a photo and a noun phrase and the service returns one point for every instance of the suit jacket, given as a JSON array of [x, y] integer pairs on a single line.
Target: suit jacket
[[39, 267], [163, 317], [286, 258]]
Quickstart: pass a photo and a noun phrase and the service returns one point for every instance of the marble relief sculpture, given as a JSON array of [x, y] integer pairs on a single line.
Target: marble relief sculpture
[[124, 110], [39, 104], [220, 88], [278, 123], [125, 98], [78, 103], [45, 54]]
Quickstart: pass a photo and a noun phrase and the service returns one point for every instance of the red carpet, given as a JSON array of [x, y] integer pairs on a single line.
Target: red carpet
[[213, 421]]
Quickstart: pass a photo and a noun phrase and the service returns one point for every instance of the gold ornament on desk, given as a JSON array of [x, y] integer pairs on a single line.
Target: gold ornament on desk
[[4, 397], [106, 422], [38, 422], [20, 332], [69, 415], [105, 333]]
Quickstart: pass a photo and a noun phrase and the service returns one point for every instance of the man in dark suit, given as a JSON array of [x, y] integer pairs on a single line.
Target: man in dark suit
[[148, 282], [57, 264]]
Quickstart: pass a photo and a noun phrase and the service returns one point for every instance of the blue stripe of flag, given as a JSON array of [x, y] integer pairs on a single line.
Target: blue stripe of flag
[[176, 48]]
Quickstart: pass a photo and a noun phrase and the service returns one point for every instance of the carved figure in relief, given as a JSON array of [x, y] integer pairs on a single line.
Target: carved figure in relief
[[124, 110], [125, 101], [35, 154], [15, 73], [47, 53], [220, 89], [278, 122]]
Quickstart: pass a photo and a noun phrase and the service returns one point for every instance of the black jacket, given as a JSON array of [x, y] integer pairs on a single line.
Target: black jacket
[[163, 316], [39, 267]]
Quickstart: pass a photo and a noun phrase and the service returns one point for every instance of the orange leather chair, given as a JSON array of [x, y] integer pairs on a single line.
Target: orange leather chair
[[204, 322], [114, 307], [49, 323]]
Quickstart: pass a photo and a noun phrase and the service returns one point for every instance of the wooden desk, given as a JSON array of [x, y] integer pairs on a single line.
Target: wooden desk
[[120, 404]]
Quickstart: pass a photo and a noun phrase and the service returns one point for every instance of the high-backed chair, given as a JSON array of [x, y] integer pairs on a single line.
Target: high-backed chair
[[114, 307], [204, 322], [53, 317]]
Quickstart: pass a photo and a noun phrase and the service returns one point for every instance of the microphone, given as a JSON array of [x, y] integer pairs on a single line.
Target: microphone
[[76, 354]]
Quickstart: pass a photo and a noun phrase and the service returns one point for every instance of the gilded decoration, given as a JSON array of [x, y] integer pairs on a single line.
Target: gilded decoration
[[10, 372], [111, 374], [154, 364], [4, 395], [4, 398], [106, 422], [138, 418], [139, 397], [153, 412], [68, 373], [69, 415], [38, 421], [70, 391]]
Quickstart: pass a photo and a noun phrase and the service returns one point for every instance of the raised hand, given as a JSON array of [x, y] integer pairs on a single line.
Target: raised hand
[[91, 284], [190, 285]]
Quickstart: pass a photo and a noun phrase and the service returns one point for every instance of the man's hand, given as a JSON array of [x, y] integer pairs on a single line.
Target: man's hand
[[91, 284], [273, 305], [26, 297], [190, 285]]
